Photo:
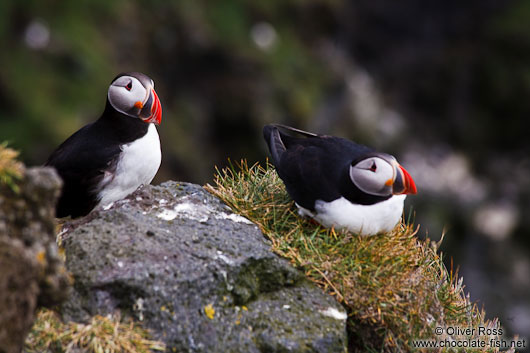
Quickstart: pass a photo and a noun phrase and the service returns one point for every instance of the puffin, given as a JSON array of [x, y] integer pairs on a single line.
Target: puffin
[[111, 157], [337, 182]]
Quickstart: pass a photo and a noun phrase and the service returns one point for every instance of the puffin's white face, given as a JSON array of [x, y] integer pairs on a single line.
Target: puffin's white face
[[129, 96], [381, 176]]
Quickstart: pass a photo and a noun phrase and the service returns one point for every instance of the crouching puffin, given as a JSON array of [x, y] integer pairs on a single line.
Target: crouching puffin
[[338, 182], [111, 157]]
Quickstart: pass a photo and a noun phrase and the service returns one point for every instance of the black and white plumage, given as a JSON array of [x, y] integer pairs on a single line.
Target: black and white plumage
[[338, 182], [110, 158]]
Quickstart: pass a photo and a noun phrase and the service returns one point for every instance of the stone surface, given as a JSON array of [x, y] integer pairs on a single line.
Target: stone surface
[[31, 273], [202, 278]]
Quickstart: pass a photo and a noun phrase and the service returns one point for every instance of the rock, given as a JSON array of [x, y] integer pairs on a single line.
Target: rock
[[202, 278], [31, 273]]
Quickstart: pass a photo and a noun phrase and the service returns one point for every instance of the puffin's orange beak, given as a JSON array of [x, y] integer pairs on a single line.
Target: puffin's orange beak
[[403, 184], [151, 107]]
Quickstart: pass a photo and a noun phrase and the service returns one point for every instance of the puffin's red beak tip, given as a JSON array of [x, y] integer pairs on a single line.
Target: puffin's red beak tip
[[410, 186], [156, 110]]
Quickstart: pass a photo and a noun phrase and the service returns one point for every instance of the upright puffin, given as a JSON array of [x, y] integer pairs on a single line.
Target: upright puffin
[[110, 158], [338, 182]]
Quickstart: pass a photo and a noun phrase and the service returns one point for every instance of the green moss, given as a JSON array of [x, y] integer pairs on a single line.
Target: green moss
[[395, 287], [261, 276]]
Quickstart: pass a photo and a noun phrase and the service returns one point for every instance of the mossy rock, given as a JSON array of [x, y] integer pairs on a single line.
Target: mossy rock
[[200, 277]]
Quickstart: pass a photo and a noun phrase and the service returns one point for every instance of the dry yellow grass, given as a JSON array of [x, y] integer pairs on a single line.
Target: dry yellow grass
[[10, 169], [101, 335]]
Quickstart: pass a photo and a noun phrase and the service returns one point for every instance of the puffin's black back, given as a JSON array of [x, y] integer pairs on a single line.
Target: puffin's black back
[[88, 155], [316, 167]]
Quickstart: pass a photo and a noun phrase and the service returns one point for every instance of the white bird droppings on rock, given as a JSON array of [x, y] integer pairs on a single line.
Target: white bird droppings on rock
[[167, 215], [233, 217], [226, 259], [334, 313], [197, 212], [193, 211], [138, 307]]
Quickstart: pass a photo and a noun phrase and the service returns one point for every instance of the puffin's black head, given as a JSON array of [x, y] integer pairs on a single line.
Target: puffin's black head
[[380, 174], [133, 94]]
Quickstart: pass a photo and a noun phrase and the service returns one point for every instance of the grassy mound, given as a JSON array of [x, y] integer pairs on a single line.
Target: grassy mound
[[395, 287]]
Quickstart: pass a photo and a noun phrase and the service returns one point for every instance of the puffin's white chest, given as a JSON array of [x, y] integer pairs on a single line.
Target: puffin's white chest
[[362, 219], [138, 163]]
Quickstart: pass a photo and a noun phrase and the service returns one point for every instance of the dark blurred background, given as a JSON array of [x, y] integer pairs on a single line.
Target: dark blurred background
[[444, 85]]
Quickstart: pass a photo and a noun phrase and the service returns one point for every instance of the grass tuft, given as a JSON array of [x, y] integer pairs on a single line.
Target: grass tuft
[[10, 169], [102, 334], [395, 287]]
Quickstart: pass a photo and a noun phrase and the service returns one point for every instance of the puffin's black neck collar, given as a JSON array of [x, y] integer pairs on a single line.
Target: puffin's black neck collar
[[124, 127]]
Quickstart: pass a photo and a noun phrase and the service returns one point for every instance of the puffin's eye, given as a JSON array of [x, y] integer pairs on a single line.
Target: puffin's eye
[[373, 168], [129, 86]]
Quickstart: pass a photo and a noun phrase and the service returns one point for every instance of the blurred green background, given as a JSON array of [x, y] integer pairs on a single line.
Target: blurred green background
[[444, 85]]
